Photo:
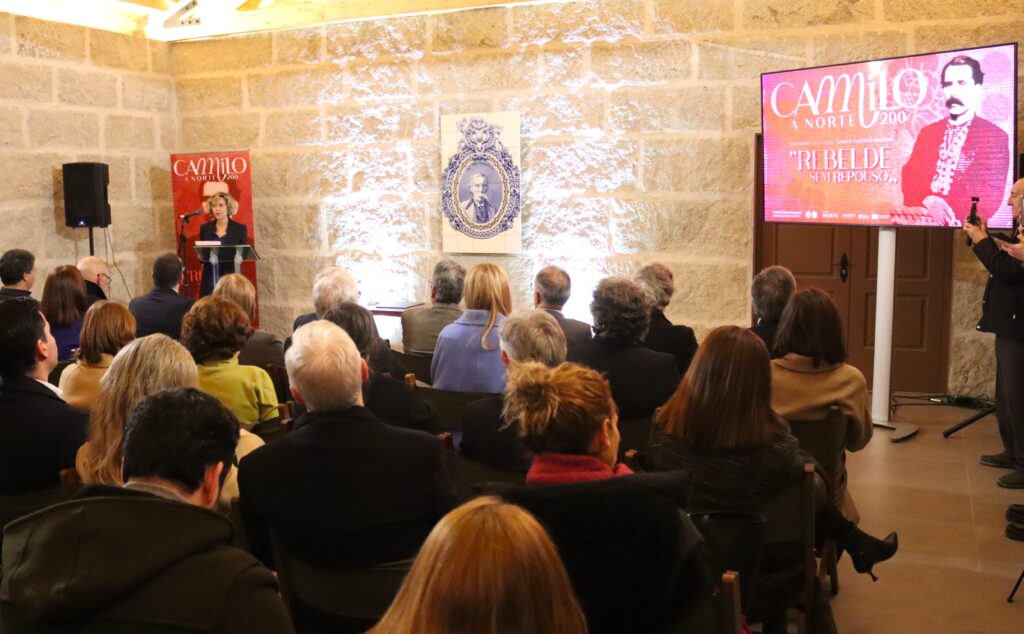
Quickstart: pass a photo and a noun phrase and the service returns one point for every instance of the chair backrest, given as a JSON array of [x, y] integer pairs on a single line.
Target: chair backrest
[[635, 435], [54, 377], [730, 620], [824, 439], [417, 364], [279, 377], [470, 476], [364, 593], [790, 520], [449, 406]]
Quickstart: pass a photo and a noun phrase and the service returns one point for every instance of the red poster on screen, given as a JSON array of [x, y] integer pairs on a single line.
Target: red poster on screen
[[194, 178], [906, 141]]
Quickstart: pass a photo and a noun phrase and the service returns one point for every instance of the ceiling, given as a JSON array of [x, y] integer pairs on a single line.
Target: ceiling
[[174, 20]]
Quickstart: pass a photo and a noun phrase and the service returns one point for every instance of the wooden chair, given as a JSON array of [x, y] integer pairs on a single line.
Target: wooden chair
[[635, 436], [417, 364], [730, 619], [470, 476], [825, 441], [790, 521], [279, 377], [360, 594], [449, 406]]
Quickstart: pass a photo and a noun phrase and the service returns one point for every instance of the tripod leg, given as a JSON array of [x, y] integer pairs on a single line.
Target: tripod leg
[[1016, 586], [968, 421]]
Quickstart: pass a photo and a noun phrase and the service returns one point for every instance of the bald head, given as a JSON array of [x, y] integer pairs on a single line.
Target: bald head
[[96, 271]]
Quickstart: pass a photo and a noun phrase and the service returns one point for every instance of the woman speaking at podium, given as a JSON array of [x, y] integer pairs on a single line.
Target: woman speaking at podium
[[224, 230]]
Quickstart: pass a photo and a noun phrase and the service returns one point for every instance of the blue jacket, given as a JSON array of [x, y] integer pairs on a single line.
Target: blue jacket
[[461, 364]]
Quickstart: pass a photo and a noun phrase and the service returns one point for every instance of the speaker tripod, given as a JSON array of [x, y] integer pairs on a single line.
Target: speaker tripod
[[970, 420]]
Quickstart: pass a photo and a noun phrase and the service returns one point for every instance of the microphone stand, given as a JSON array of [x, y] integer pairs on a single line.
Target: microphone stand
[[182, 253]]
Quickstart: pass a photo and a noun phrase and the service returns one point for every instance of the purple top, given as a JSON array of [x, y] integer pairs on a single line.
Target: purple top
[[461, 364], [67, 338]]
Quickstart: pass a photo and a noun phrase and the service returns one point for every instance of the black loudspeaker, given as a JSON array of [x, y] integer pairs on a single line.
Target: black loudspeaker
[[85, 195]]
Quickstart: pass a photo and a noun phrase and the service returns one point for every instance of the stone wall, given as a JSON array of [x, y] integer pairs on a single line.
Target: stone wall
[[70, 94]]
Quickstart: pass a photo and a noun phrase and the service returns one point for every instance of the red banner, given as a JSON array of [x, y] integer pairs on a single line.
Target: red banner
[[196, 177]]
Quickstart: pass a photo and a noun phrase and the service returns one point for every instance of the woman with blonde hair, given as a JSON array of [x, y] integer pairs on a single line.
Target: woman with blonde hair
[[467, 356], [486, 568], [142, 367], [108, 327], [262, 348], [226, 231]]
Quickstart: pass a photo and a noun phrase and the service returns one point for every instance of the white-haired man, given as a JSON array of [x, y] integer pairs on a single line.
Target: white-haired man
[[97, 278], [343, 489], [332, 287]]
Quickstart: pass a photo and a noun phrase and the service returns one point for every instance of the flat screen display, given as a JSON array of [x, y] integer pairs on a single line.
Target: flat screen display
[[906, 141]]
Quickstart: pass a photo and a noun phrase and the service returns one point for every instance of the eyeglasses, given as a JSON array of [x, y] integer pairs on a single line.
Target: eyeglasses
[[106, 277]]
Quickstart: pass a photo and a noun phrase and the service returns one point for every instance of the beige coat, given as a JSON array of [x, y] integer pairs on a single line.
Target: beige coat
[[801, 391], [80, 382]]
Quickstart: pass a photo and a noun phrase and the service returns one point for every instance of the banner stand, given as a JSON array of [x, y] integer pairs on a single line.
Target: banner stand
[[884, 301]]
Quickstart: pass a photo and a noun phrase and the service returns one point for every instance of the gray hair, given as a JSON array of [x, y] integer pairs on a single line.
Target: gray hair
[[448, 279], [324, 366], [621, 310], [533, 335], [771, 290], [553, 285], [332, 287], [657, 280]]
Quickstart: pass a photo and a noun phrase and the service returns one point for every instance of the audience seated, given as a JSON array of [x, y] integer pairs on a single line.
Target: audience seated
[[262, 348], [63, 305], [486, 567], [333, 286], [486, 435], [719, 425], [466, 358], [162, 308], [39, 432], [108, 327], [149, 557], [641, 379], [390, 399], [770, 292], [551, 288], [97, 278], [343, 489], [810, 373], [214, 331], [17, 273], [678, 341], [422, 324]]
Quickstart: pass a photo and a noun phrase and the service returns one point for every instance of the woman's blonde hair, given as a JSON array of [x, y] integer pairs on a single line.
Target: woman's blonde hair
[[238, 289], [487, 568], [231, 203], [560, 409], [487, 288], [142, 367], [108, 327]]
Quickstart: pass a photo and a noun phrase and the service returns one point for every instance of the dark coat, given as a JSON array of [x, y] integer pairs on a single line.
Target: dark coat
[[486, 438], [678, 341], [12, 293], [1002, 309], [641, 379], [130, 562], [39, 435], [93, 293], [576, 332], [636, 562], [766, 331], [159, 311], [344, 490], [237, 234]]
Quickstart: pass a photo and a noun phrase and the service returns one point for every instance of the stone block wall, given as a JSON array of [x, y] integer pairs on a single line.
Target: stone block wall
[[71, 94]]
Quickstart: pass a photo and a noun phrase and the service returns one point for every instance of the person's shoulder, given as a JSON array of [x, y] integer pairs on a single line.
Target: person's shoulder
[[987, 126], [850, 373]]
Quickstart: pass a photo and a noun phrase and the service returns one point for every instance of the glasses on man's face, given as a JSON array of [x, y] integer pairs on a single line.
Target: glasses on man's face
[[106, 277]]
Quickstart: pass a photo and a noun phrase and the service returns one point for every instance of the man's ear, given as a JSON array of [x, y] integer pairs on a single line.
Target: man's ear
[[295, 394], [210, 489], [364, 371], [536, 299], [433, 293], [505, 360]]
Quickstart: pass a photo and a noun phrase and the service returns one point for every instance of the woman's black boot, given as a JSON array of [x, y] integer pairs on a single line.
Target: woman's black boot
[[866, 551]]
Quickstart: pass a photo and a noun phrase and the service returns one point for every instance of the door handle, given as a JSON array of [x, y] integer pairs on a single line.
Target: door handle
[[844, 267]]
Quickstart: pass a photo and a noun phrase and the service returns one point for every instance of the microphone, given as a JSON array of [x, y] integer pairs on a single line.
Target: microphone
[[197, 212]]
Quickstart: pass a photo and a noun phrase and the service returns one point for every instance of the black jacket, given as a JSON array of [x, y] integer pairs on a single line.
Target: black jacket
[[486, 438], [93, 293], [237, 234], [1002, 309], [11, 293], [766, 331], [641, 379], [160, 310], [678, 341], [576, 332], [120, 561], [39, 435], [344, 490]]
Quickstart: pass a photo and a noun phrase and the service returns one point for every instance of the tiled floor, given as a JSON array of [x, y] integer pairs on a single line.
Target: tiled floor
[[954, 568]]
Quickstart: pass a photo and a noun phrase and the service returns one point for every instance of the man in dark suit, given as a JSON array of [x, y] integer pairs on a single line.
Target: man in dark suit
[[676, 340], [18, 273], [551, 288], [162, 308], [39, 432], [343, 489], [770, 292], [96, 274], [524, 336], [641, 379]]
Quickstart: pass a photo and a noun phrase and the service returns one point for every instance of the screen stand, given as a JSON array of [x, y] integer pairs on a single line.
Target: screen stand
[[884, 299]]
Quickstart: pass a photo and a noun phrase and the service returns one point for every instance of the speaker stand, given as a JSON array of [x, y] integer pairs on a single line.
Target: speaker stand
[[92, 249]]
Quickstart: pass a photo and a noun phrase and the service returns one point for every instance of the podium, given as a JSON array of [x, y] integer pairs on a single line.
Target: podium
[[213, 253]]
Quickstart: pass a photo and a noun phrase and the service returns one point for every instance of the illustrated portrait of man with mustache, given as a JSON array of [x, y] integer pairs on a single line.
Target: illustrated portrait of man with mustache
[[960, 156]]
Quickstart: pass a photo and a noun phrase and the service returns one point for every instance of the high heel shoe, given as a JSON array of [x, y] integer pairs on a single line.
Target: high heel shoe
[[866, 551]]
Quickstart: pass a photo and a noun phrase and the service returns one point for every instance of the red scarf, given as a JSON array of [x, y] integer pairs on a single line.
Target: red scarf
[[561, 468]]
